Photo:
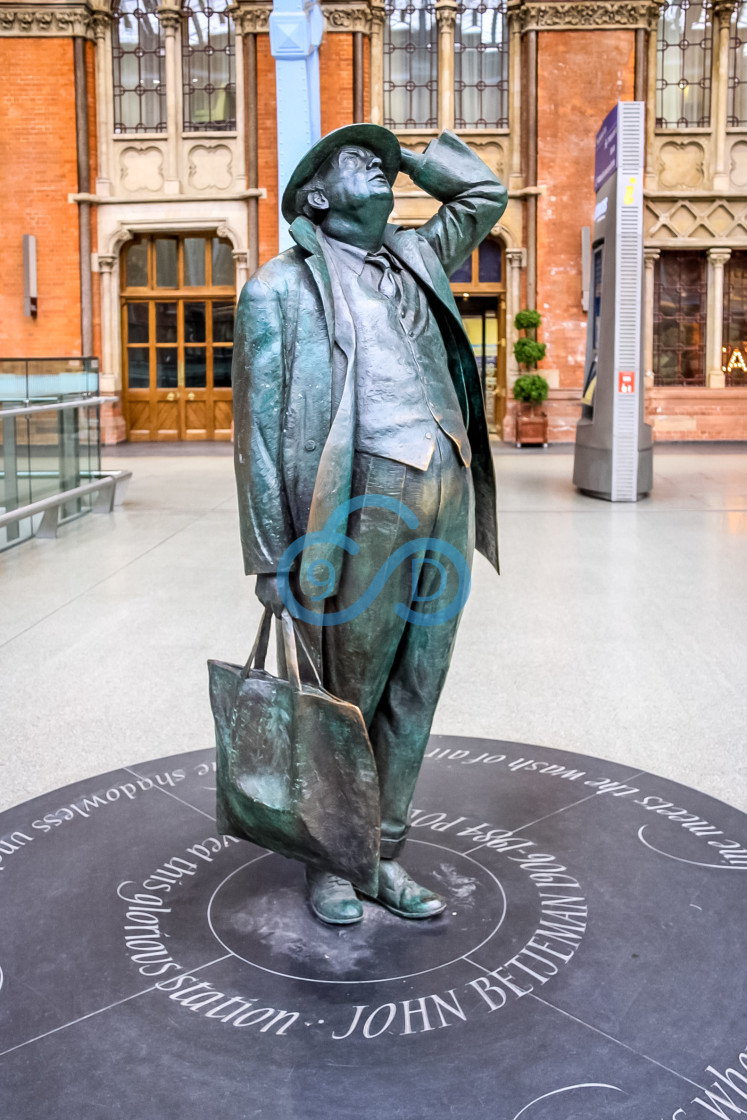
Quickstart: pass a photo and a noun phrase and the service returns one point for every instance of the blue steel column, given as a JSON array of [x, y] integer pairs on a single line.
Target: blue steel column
[[295, 34]]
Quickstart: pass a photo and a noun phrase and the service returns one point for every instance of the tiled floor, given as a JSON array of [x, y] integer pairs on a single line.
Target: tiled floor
[[617, 631]]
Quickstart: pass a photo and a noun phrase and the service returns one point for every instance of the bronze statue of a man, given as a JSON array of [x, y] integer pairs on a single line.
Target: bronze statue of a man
[[353, 376]]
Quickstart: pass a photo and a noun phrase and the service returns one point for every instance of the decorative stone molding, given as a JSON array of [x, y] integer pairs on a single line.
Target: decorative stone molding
[[251, 17], [446, 14], [58, 21], [671, 221], [681, 163], [106, 263], [210, 167], [492, 153], [719, 256], [378, 12], [516, 258], [100, 21], [341, 16], [170, 14], [574, 15], [738, 163], [723, 8], [141, 167]]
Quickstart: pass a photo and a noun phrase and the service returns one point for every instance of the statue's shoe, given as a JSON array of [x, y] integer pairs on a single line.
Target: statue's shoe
[[400, 894], [332, 899]]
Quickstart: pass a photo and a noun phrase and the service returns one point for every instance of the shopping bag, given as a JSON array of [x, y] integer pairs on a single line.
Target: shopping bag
[[295, 769]]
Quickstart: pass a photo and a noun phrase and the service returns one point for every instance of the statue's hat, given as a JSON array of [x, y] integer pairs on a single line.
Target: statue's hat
[[377, 139]]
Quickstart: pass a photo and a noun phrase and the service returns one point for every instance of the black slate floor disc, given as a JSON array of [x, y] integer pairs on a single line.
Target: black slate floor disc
[[590, 963]]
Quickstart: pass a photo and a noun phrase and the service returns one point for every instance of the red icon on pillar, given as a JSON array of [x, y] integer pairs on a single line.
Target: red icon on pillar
[[626, 382]]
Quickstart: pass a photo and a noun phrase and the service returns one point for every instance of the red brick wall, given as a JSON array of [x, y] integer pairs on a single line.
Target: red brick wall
[[697, 414], [94, 166], [267, 150], [37, 172], [336, 80], [582, 74]]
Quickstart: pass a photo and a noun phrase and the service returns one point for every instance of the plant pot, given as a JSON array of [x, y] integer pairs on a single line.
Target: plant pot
[[531, 425]]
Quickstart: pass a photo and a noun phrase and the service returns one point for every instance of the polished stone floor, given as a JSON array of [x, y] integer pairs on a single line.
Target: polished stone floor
[[616, 631]]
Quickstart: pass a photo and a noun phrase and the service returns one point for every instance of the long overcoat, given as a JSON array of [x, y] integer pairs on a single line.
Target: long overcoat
[[286, 383]]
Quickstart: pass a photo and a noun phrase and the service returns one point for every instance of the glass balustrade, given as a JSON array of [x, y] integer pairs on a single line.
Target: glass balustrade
[[49, 437]]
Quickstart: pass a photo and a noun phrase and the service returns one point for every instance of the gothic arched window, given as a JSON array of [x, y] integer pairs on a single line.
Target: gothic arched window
[[138, 67], [208, 67], [481, 64], [410, 64], [683, 69]]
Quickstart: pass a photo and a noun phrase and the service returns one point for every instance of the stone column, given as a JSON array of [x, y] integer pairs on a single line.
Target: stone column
[[721, 15], [241, 172], [376, 57], [83, 154], [251, 19], [649, 178], [359, 112], [515, 261], [531, 130], [516, 180], [113, 428], [446, 14], [109, 333], [240, 260], [650, 257], [101, 23], [715, 376], [171, 18]]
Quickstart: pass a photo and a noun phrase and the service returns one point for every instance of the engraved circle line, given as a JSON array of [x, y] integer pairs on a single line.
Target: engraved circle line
[[379, 979], [681, 859], [567, 1089]]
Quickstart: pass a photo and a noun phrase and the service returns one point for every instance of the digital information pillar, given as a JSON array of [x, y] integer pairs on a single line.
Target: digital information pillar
[[613, 455]]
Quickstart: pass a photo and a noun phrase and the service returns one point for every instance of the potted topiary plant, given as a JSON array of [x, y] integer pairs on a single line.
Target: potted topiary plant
[[531, 389]]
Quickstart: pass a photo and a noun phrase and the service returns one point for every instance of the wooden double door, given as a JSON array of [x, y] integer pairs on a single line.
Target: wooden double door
[[178, 297]]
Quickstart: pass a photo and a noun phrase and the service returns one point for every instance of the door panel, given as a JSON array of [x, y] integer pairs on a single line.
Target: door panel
[[167, 419], [222, 419], [140, 418], [177, 337], [195, 420]]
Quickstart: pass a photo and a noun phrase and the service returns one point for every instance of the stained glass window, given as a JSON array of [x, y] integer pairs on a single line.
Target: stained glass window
[[734, 356], [138, 61], [208, 67], [410, 64], [738, 68], [683, 70], [481, 64], [680, 319]]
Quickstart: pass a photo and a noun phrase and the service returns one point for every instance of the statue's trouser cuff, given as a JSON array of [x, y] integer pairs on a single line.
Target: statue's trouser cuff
[[391, 668], [390, 849]]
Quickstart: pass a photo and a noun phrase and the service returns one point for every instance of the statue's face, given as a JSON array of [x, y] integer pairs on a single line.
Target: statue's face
[[351, 180]]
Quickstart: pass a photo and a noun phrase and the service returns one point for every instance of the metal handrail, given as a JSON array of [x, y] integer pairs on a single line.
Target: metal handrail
[[117, 480], [79, 402]]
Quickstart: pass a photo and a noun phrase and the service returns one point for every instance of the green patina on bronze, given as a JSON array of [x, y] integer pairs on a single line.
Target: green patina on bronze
[[352, 375]]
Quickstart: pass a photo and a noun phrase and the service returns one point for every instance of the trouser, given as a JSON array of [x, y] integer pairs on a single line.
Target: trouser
[[391, 668]]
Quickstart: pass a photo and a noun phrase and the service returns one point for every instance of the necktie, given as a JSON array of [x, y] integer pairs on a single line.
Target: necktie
[[389, 284]]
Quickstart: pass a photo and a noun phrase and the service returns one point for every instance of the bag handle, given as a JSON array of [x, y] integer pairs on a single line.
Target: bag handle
[[258, 655], [259, 650], [292, 638]]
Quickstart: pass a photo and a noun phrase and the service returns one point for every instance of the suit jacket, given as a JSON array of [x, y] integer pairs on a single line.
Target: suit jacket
[[285, 390]]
